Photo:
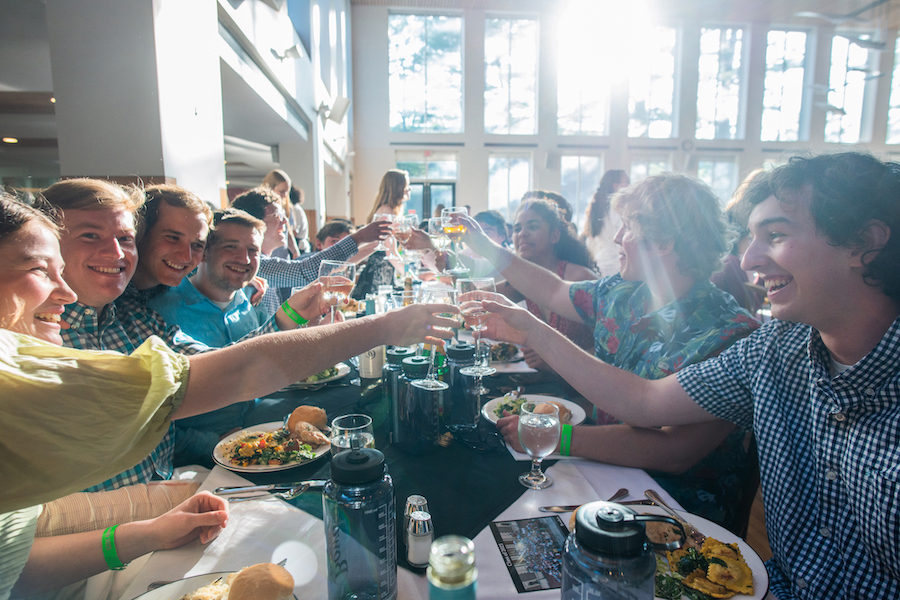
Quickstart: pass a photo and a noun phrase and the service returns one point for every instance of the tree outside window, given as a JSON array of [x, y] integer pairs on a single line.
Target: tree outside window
[[510, 76], [509, 177], [425, 73]]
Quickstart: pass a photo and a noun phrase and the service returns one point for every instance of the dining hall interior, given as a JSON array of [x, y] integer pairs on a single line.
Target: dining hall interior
[[480, 101]]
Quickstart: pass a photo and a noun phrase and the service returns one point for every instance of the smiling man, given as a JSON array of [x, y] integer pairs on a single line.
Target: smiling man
[[820, 384]]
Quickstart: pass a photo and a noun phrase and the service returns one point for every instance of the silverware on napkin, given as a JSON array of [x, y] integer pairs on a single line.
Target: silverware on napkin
[[272, 487], [570, 507]]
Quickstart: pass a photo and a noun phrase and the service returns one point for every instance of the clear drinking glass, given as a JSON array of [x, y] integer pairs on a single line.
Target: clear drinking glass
[[437, 235], [381, 247], [337, 279], [475, 316], [351, 427], [539, 435], [435, 294], [454, 232]]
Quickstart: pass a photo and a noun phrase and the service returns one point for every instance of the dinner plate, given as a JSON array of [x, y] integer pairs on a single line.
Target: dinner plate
[[343, 369], [710, 529], [221, 459], [177, 589], [517, 357], [578, 414]]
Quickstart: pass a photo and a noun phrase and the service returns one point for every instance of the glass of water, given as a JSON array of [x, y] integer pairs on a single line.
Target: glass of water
[[346, 429], [539, 434]]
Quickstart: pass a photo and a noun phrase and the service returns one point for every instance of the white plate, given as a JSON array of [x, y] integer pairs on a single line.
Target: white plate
[[220, 458], [578, 414], [177, 589], [710, 529], [343, 369]]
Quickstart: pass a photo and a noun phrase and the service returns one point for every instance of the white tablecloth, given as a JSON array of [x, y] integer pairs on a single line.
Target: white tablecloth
[[272, 530]]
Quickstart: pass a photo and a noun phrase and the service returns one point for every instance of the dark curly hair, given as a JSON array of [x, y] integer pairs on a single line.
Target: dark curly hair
[[845, 192], [569, 248]]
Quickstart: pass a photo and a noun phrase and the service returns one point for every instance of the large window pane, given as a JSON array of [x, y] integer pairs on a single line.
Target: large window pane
[[847, 91], [509, 177], [720, 174], [783, 93], [893, 128], [510, 76], [583, 77], [425, 65], [649, 164], [428, 165], [579, 178], [719, 88], [651, 91]]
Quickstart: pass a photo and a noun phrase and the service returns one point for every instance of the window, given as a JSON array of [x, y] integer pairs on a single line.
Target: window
[[783, 86], [582, 93], [509, 177], [425, 65], [719, 89], [893, 128], [432, 176], [720, 174], [651, 89], [650, 164], [847, 91], [510, 76], [579, 178]]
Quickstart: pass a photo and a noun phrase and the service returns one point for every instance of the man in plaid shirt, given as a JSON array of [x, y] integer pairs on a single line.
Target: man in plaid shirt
[[99, 244], [819, 384]]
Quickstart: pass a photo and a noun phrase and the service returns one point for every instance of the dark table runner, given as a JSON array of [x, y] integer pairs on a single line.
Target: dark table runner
[[467, 484]]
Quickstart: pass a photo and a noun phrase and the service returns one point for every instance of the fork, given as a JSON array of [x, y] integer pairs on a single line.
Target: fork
[[688, 528], [286, 495]]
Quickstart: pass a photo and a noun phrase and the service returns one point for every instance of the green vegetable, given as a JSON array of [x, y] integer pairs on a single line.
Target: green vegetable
[[668, 588], [692, 561]]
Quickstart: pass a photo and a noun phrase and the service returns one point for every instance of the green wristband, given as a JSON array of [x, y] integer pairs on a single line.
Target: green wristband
[[565, 440], [295, 317], [109, 549]]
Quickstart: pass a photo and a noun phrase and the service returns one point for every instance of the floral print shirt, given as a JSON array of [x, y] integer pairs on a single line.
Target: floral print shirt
[[654, 344]]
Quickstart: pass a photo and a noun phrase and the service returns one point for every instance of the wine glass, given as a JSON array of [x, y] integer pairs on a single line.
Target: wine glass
[[435, 294], [337, 279], [539, 435], [475, 316], [381, 247], [454, 231]]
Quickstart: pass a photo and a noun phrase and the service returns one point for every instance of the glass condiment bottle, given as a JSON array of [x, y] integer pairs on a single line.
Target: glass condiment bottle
[[451, 569]]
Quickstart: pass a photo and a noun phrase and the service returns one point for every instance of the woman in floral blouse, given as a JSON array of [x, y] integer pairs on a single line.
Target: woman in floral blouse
[[657, 315]]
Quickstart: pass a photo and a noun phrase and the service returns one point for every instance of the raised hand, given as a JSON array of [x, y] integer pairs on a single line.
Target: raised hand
[[202, 516]]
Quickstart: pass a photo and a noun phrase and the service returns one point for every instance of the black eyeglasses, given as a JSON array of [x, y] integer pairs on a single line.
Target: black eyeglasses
[[481, 441]]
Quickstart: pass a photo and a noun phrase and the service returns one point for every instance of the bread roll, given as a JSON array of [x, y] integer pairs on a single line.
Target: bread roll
[[264, 581], [565, 415], [311, 414]]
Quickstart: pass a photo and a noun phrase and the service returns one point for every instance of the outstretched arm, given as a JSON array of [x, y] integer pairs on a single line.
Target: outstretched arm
[[56, 561], [265, 364], [532, 281], [637, 401], [669, 449]]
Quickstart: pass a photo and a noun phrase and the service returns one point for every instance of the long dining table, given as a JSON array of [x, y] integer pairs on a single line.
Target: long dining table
[[468, 484]]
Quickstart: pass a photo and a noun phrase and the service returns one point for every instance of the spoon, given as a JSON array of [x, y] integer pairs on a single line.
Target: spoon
[[570, 507], [286, 495]]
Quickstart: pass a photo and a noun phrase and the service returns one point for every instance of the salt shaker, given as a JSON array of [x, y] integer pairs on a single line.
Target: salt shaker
[[413, 503], [419, 535]]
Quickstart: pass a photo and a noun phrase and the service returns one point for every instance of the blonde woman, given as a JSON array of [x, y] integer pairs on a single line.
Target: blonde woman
[[279, 182]]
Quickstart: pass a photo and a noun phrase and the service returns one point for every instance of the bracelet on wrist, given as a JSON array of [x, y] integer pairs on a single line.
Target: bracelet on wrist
[[293, 314], [565, 440], [108, 543]]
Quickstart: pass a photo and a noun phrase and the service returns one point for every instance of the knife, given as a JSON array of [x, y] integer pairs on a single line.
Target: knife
[[313, 483], [570, 507]]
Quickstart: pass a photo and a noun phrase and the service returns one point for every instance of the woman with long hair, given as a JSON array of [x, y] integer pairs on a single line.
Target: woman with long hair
[[280, 182], [601, 223], [542, 237]]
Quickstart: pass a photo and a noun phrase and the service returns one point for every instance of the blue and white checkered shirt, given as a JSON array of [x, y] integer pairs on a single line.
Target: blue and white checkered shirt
[[122, 327], [829, 452], [287, 273]]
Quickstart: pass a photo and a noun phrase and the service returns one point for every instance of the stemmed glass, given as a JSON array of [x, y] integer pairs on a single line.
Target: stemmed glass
[[475, 316], [437, 295], [539, 435], [337, 279], [381, 247], [454, 231], [403, 231]]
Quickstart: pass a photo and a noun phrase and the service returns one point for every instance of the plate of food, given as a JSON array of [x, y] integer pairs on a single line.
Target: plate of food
[[259, 581], [504, 352], [723, 566], [328, 375], [270, 447], [505, 406]]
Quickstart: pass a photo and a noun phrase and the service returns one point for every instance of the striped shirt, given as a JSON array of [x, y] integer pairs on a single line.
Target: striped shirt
[[287, 273], [829, 455]]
